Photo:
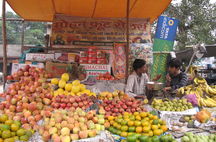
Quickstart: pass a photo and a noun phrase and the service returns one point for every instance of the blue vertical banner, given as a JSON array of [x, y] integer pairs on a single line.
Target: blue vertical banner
[[164, 40], [166, 28]]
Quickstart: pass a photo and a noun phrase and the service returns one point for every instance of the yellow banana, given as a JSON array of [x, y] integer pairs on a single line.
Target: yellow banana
[[208, 102], [181, 91], [211, 91]]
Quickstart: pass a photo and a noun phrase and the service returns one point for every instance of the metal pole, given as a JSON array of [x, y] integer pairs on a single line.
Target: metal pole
[[128, 38], [4, 40], [22, 36]]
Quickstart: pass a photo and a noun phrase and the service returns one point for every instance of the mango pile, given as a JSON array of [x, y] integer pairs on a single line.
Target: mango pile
[[67, 88]]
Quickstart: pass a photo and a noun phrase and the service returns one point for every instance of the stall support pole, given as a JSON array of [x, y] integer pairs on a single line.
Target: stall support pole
[[127, 36], [22, 36], [4, 40]]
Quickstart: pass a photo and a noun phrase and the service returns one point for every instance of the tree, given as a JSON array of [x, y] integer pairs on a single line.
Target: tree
[[34, 31], [197, 22]]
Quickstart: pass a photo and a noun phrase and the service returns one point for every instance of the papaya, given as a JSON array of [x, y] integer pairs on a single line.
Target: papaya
[[203, 116]]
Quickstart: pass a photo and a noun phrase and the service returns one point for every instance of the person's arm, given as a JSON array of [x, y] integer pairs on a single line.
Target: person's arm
[[129, 87], [182, 82]]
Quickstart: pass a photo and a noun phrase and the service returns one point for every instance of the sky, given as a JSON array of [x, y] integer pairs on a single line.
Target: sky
[[8, 8]]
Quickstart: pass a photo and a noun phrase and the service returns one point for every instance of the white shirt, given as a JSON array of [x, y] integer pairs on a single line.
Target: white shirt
[[136, 85]]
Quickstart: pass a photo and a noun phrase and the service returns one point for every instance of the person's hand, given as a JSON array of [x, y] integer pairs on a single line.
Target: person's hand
[[157, 77], [168, 78], [166, 89]]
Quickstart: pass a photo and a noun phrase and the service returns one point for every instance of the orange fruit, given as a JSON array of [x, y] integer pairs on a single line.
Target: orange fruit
[[126, 113], [127, 119], [151, 121], [137, 123], [118, 126], [151, 133], [145, 123], [124, 128], [130, 123], [112, 122], [124, 122], [115, 124], [110, 118], [138, 117], [146, 129], [124, 134], [155, 117], [154, 127], [143, 114], [151, 116], [163, 122], [160, 121], [164, 128], [136, 113], [138, 129], [130, 133], [146, 119], [157, 132], [126, 116]]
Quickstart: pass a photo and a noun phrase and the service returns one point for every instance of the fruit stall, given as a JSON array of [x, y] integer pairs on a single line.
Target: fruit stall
[[54, 100], [38, 107]]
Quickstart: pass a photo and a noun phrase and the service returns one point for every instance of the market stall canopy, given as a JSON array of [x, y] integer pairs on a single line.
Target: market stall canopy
[[44, 10]]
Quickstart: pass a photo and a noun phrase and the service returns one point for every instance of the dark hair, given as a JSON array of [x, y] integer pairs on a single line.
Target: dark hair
[[138, 63], [175, 63]]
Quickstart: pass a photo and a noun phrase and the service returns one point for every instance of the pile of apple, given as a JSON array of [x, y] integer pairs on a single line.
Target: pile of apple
[[67, 102], [28, 100], [29, 71], [73, 124], [64, 87], [115, 107], [109, 96], [105, 76]]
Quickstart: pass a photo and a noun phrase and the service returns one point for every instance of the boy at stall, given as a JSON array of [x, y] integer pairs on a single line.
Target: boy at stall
[[175, 77]]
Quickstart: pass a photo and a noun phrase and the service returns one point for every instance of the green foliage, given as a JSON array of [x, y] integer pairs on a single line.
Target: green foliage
[[197, 21], [34, 31]]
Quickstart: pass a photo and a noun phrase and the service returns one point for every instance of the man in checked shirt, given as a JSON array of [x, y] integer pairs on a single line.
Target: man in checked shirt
[[175, 77]]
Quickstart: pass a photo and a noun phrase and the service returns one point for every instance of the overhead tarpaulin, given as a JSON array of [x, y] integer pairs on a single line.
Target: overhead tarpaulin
[[44, 10]]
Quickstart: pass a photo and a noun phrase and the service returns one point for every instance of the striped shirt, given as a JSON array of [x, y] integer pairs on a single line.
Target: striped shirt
[[178, 81]]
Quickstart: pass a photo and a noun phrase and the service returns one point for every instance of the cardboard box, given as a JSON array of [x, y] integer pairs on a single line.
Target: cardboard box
[[39, 56], [70, 57], [56, 69]]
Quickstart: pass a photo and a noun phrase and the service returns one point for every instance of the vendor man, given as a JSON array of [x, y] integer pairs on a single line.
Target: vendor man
[[136, 83], [175, 77]]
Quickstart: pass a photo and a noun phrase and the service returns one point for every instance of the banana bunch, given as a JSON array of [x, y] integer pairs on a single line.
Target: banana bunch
[[206, 94], [208, 102], [192, 70]]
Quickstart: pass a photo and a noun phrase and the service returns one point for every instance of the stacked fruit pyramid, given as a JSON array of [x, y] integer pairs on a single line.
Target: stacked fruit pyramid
[[66, 88], [171, 105], [11, 131], [72, 125], [205, 94], [143, 123]]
